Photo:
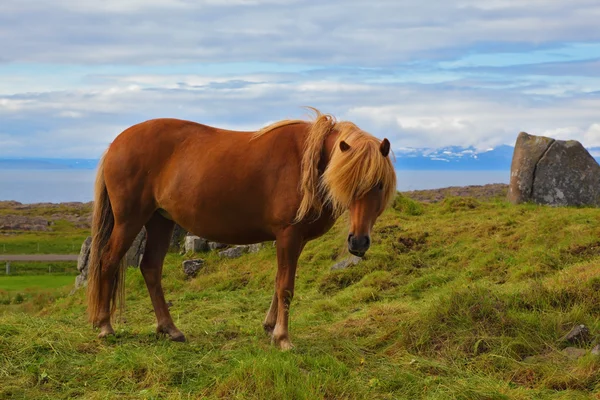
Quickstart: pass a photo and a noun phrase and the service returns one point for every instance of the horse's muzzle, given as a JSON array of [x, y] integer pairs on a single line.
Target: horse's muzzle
[[358, 245]]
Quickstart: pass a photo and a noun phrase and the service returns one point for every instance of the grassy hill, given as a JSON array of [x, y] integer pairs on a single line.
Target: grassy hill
[[460, 298]]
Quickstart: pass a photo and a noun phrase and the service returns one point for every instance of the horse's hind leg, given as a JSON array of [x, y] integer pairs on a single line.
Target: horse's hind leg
[[271, 318], [121, 238], [159, 231]]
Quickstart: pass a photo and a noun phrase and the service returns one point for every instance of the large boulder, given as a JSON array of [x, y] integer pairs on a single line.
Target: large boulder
[[553, 172], [133, 257]]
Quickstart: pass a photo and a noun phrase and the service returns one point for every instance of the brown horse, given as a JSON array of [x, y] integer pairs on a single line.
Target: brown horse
[[288, 182]]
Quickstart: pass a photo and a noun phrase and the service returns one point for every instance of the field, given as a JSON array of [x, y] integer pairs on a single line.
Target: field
[[462, 298]]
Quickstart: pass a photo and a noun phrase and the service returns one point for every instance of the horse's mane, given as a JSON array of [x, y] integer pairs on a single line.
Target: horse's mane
[[350, 174]]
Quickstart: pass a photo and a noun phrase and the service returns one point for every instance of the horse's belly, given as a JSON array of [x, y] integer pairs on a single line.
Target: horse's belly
[[223, 222]]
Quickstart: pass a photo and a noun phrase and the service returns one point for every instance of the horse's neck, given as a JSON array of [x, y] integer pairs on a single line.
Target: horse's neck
[[330, 142]]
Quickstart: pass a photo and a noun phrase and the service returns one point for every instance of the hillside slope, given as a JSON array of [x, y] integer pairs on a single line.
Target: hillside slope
[[462, 298]]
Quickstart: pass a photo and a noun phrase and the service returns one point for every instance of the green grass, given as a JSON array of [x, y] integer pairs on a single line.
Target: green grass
[[67, 241], [35, 282], [461, 299]]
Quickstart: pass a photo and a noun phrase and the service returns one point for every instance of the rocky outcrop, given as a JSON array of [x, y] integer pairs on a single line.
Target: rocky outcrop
[[23, 223], [553, 172]]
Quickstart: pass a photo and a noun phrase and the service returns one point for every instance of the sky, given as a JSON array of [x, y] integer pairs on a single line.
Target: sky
[[425, 74]]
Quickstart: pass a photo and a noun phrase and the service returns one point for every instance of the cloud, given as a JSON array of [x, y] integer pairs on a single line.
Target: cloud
[[411, 115], [74, 74], [385, 32]]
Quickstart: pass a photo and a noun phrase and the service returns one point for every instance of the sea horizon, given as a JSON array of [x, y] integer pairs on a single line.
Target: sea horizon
[[76, 185]]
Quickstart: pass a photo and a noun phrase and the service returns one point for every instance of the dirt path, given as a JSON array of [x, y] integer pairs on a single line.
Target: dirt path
[[38, 257]]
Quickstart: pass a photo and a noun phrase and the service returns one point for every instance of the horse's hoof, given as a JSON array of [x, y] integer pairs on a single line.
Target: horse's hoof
[[285, 345], [269, 329], [105, 331], [174, 334], [178, 337]]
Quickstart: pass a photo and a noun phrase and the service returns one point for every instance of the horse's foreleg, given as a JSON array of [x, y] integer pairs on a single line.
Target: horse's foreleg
[[289, 247]]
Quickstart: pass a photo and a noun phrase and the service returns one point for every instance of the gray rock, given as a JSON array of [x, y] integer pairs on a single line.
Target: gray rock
[[574, 353], [596, 350], [529, 149], [350, 261], [567, 175], [579, 334], [191, 267], [82, 264], [84, 254], [177, 239], [133, 258], [553, 172], [255, 248], [195, 244], [234, 252], [216, 246]]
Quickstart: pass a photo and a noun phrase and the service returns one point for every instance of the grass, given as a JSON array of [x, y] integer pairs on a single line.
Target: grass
[[34, 282], [460, 299], [60, 241]]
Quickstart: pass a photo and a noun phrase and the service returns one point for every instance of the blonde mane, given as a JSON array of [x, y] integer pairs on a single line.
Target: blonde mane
[[349, 174]]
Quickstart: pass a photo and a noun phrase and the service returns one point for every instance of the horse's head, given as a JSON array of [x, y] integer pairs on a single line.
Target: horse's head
[[365, 210], [360, 178]]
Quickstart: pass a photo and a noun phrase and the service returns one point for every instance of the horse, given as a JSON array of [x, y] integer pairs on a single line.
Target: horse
[[287, 182]]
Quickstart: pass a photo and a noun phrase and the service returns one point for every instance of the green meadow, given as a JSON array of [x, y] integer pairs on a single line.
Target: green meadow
[[465, 298]]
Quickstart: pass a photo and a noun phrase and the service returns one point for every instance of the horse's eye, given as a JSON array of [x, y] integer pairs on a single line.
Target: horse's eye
[[380, 186]]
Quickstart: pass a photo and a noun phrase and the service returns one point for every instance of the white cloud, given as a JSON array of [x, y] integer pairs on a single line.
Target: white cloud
[[74, 73], [382, 32]]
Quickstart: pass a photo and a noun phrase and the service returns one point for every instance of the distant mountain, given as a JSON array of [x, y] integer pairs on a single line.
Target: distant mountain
[[461, 158], [47, 163]]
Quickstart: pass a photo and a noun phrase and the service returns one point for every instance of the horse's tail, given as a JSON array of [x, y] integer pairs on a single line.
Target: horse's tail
[[103, 221]]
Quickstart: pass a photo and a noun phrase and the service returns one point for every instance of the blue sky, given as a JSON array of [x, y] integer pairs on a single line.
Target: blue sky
[[425, 74]]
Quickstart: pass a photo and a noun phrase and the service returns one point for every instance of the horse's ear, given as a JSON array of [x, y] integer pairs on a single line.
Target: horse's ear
[[385, 147], [344, 146]]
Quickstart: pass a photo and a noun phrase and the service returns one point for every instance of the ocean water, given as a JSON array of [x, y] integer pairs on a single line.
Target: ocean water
[[62, 185]]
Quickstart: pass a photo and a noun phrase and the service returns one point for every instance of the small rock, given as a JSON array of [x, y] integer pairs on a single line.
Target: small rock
[[216, 246], [579, 334], [195, 244], [191, 267], [596, 350], [234, 252], [353, 260], [574, 353]]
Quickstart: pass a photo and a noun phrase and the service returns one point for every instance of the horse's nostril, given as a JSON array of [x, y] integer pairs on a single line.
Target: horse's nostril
[[350, 236]]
